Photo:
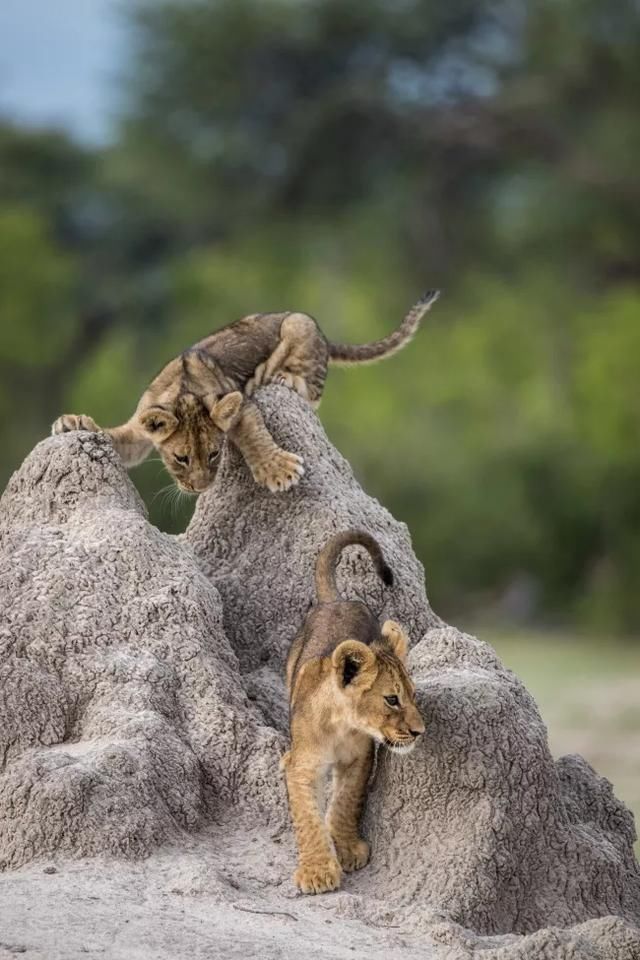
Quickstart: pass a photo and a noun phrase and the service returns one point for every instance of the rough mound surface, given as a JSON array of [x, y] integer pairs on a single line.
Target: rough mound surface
[[142, 712], [122, 719]]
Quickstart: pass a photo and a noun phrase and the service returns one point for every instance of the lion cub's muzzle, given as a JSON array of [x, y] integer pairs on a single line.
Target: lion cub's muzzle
[[406, 742], [400, 746], [188, 486]]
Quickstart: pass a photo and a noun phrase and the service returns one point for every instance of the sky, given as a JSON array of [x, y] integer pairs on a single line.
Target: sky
[[59, 61]]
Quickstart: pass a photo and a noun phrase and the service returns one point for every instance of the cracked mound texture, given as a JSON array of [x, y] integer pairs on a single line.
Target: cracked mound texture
[[121, 718], [142, 699]]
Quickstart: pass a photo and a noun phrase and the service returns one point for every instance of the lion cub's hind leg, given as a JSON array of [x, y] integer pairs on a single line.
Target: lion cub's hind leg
[[299, 361], [343, 816], [299, 384]]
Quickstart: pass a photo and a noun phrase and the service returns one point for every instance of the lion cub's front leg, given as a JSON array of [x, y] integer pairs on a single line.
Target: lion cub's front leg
[[318, 869], [271, 466], [128, 442], [69, 422], [343, 817]]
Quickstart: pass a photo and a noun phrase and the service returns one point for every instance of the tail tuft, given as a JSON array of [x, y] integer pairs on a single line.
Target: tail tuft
[[347, 354], [428, 298], [328, 557]]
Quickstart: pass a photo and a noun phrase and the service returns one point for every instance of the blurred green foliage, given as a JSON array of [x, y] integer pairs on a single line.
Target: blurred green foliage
[[338, 158]]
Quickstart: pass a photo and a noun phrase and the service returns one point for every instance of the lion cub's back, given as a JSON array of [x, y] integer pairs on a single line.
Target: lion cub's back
[[326, 626], [239, 347]]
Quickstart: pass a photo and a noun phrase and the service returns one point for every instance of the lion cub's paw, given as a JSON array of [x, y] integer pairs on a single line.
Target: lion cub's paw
[[284, 378], [280, 472], [74, 421], [318, 877], [293, 382], [353, 856]]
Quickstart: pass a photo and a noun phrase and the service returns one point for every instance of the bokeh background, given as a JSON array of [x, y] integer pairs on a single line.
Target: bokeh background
[[169, 165]]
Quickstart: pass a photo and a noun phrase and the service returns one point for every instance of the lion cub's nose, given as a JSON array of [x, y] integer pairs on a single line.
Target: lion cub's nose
[[419, 731]]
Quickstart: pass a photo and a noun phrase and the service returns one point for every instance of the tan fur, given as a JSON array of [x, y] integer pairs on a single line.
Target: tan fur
[[340, 669], [199, 399]]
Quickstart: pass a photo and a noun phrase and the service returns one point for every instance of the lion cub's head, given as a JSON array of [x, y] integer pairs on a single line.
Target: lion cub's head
[[376, 691], [189, 435]]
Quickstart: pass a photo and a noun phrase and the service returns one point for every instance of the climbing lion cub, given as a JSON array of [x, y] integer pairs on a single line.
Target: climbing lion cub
[[198, 399], [348, 688]]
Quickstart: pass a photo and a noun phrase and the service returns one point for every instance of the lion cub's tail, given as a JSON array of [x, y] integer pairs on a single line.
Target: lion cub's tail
[[344, 353], [327, 559]]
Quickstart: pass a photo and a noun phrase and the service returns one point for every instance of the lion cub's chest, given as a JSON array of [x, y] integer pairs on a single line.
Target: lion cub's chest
[[348, 745]]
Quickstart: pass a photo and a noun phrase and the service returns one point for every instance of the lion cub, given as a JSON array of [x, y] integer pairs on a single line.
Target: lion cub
[[348, 688], [198, 399]]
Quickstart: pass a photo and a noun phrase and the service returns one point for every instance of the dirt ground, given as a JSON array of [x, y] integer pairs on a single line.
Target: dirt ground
[[226, 893]]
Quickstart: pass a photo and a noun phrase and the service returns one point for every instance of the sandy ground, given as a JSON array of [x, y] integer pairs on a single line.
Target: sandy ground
[[226, 894]]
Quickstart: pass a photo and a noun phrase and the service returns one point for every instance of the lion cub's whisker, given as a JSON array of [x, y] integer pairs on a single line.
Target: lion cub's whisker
[[162, 492]]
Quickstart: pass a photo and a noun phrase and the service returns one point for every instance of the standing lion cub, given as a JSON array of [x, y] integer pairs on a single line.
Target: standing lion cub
[[348, 688], [198, 399]]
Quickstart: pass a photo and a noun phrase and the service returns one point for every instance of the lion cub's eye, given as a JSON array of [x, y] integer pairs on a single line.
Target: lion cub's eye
[[213, 456], [393, 701], [183, 460]]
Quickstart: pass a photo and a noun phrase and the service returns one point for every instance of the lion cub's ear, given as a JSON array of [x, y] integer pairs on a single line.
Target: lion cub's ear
[[353, 662], [395, 637], [157, 422], [225, 411]]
